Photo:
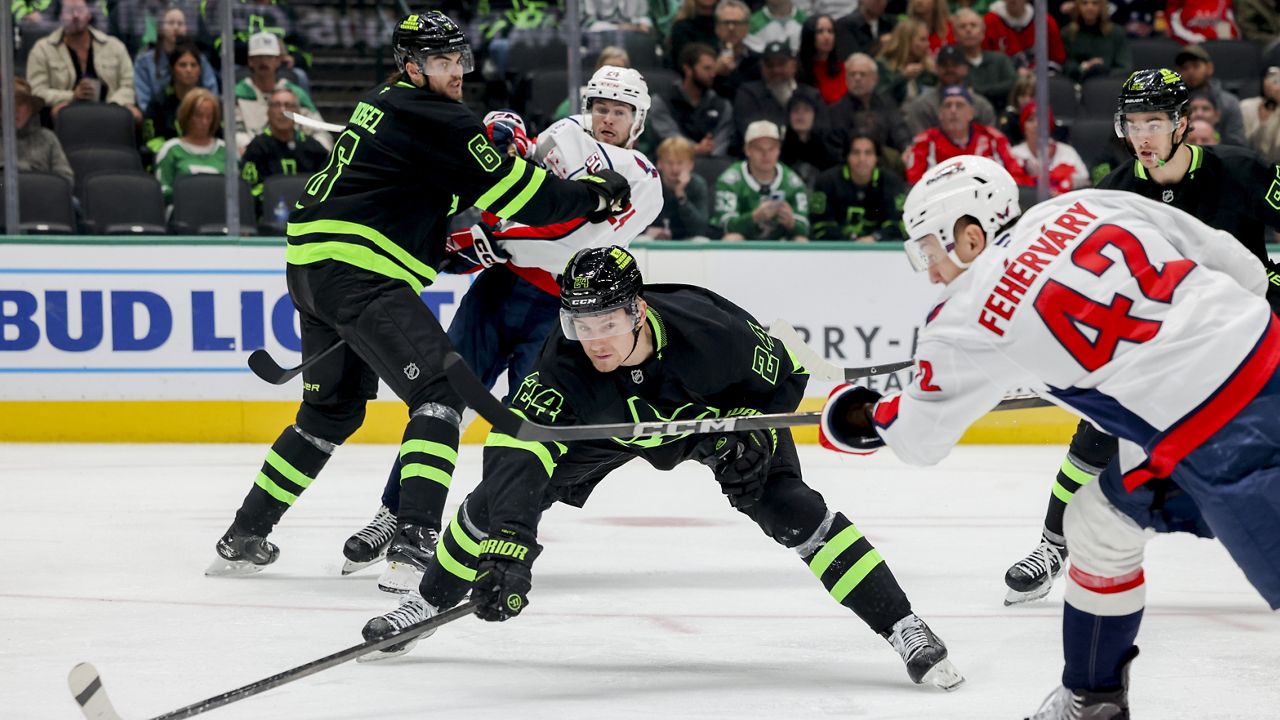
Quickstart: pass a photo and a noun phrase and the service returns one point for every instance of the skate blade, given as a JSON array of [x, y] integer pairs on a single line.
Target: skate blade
[[380, 655], [222, 567], [943, 675], [1013, 597], [399, 577], [351, 566]]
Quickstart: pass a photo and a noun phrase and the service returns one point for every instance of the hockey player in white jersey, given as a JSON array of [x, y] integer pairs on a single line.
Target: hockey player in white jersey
[[1136, 316], [513, 305]]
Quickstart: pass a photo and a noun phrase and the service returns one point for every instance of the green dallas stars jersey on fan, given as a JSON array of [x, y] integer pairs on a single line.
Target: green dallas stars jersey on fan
[[738, 195]]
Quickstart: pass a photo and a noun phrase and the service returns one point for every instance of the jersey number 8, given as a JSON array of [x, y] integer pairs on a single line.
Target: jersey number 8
[[321, 183]]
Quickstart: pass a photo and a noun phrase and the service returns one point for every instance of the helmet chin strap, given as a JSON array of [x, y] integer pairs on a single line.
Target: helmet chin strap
[[635, 339]]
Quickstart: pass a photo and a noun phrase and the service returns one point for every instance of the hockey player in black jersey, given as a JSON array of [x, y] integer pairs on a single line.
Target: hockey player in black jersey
[[636, 353], [1229, 188], [364, 239]]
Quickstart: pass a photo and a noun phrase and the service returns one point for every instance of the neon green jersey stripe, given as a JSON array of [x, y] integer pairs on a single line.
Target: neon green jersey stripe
[[357, 255], [343, 227], [283, 467], [855, 574], [497, 439], [425, 471], [1080, 477], [439, 450], [832, 550], [796, 367], [464, 541], [502, 186], [531, 187], [452, 566], [275, 490]]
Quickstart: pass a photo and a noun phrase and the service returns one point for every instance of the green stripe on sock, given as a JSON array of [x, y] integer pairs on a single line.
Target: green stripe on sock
[[832, 550], [275, 490], [1062, 493], [290, 473], [452, 566], [1075, 474], [439, 450], [855, 574], [460, 536], [429, 472]]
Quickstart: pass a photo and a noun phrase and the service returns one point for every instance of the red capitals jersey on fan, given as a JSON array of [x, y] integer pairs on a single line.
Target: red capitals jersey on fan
[[1192, 22], [1132, 314], [933, 146]]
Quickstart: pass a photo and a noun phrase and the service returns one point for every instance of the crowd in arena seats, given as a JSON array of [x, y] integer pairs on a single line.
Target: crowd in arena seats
[[788, 120]]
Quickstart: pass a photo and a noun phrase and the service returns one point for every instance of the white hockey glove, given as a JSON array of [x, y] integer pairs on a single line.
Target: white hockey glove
[[507, 132], [846, 424]]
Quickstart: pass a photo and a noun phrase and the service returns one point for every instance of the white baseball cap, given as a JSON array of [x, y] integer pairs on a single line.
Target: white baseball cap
[[761, 129], [263, 43]]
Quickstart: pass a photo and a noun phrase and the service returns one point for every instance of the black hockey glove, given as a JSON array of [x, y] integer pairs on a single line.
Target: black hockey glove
[[741, 462], [503, 577], [846, 421], [472, 249], [613, 189]]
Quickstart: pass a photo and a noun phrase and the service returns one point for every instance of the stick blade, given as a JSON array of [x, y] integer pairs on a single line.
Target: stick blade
[[478, 397], [266, 368], [86, 689]]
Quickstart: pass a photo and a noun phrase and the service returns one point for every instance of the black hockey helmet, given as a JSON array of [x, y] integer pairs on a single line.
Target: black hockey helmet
[[598, 281], [421, 35], [1154, 90]]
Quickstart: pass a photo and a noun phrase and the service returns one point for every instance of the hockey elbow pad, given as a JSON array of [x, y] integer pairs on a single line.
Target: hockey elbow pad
[[846, 421]]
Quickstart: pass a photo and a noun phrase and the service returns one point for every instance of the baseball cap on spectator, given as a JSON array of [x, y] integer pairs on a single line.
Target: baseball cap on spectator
[[263, 43], [955, 91], [950, 54], [761, 129], [1190, 53], [1028, 111], [776, 49]]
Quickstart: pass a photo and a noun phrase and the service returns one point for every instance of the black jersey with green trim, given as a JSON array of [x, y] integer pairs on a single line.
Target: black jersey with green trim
[[408, 159], [1228, 188], [711, 359]]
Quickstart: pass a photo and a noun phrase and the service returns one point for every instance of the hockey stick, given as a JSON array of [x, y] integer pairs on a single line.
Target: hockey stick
[[86, 684], [478, 398], [818, 367], [266, 367], [305, 121]]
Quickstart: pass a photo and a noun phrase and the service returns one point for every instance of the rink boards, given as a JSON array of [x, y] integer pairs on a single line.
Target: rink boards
[[144, 341]]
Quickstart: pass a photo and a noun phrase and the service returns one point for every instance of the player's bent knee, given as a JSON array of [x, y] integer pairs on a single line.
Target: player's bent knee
[[439, 411], [789, 511], [333, 423], [1106, 546]]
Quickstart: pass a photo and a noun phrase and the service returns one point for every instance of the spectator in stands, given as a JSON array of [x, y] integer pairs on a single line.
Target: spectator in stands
[[817, 64], [1095, 46], [861, 30], [991, 74], [282, 148], [922, 113], [858, 200], [252, 93], [1192, 22], [1010, 120], [767, 98], [1137, 17], [958, 134], [686, 198], [777, 21], [695, 23], [161, 123], [804, 142], [79, 63], [736, 63], [1067, 170], [152, 67], [691, 108], [38, 148], [760, 198], [907, 66], [1261, 121], [198, 150], [861, 100], [616, 15], [936, 16], [1204, 119], [1011, 30], [1259, 20], [1196, 68]]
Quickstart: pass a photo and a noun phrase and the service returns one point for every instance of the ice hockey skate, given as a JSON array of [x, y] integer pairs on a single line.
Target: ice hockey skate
[[410, 551], [1066, 704], [924, 654], [413, 610], [1032, 577], [241, 554], [369, 544]]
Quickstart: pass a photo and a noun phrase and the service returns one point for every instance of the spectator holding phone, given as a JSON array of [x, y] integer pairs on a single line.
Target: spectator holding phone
[[760, 198]]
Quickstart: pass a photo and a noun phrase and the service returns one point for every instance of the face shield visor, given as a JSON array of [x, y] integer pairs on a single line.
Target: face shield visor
[[458, 62], [1144, 127], [600, 324], [922, 252]]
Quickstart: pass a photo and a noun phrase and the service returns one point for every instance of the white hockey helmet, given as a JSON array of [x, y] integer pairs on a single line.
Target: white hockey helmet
[[967, 185], [624, 85]]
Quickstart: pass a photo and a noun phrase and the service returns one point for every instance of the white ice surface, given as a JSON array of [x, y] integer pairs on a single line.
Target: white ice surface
[[656, 600]]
